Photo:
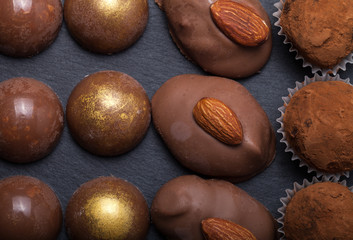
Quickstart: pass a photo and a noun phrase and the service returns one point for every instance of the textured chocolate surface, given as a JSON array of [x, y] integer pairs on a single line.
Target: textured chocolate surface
[[200, 40], [29, 210], [108, 113], [182, 203], [321, 30], [107, 208], [106, 26], [31, 120], [193, 147], [27, 27], [320, 211], [318, 123]]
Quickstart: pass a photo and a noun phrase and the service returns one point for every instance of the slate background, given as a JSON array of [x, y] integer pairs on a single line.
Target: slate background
[[152, 61]]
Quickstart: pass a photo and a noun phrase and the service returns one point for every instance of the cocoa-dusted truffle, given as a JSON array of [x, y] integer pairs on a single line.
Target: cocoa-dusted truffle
[[197, 149], [318, 123], [108, 113], [106, 26], [107, 208], [31, 120], [320, 211], [194, 29], [183, 203], [29, 209], [28, 27], [320, 30]]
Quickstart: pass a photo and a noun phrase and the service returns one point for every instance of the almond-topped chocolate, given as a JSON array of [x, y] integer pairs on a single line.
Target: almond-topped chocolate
[[229, 38], [232, 116], [182, 204]]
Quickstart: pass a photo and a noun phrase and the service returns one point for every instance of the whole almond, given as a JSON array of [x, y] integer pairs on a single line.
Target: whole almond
[[220, 229], [239, 23], [217, 119]]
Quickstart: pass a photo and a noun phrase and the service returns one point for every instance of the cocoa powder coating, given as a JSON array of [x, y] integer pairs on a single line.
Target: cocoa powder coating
[[318, 123]]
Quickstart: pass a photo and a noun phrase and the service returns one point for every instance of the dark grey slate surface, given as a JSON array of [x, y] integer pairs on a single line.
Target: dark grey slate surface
[[152, 60]]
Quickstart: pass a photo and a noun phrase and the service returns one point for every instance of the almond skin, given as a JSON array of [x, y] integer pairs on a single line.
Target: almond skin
[[239, 23], [217, 119], [220, 229]]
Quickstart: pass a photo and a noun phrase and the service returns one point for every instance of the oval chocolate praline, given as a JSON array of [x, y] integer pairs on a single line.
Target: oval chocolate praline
[[108, 113], [107, 208], [27, 27], [182, 203], [31, 120], [106, 26], [29, 210]]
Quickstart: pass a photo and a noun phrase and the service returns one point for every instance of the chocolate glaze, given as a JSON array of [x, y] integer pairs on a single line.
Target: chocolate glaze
[[200, 40], [31, 120], [172, 107], [107, 208], [28, 27], [105, 26], [29, 210], [108, 113], [182, 203]]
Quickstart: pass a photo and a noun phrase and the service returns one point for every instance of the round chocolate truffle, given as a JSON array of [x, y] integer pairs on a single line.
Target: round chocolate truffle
[[320, 211], [183, 203], [108, 113], [200, 36], [29, 210], [27, 27], [320, 30], [31, 120], [106, 26], [107, 208], [194, 147], [318, 123]]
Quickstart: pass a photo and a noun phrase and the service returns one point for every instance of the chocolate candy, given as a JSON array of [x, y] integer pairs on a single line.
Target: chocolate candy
[[31, 120], [27, 27], [106, 26], [29, 209], [193, 147], [200, 40], [182, 203], [108, 113], [107, 208]]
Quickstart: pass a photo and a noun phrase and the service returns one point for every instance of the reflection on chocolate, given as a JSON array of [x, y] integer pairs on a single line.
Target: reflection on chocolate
[[27, 27], [29, 210], [107, 208], [108, 113], [106, 26], [182, 203], [193, 147], [200, 40], [31, 120]]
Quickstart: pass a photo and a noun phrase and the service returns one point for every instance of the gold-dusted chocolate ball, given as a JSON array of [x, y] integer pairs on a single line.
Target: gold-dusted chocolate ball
[[108, 113], [107, 208], [106, 26]]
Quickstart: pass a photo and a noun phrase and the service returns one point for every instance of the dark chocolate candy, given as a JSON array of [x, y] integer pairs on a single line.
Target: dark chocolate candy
[[193, 147], [27, 27], [31, 120], [106, 26], [29, 210], [108, 113], [182, 203], [107, 208], [200, 40]]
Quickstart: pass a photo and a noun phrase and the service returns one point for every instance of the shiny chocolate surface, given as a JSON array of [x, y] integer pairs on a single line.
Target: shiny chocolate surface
[[29, 210], [106, 26], [31, 120], [27, 27], [107, 208], [108, 113]]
